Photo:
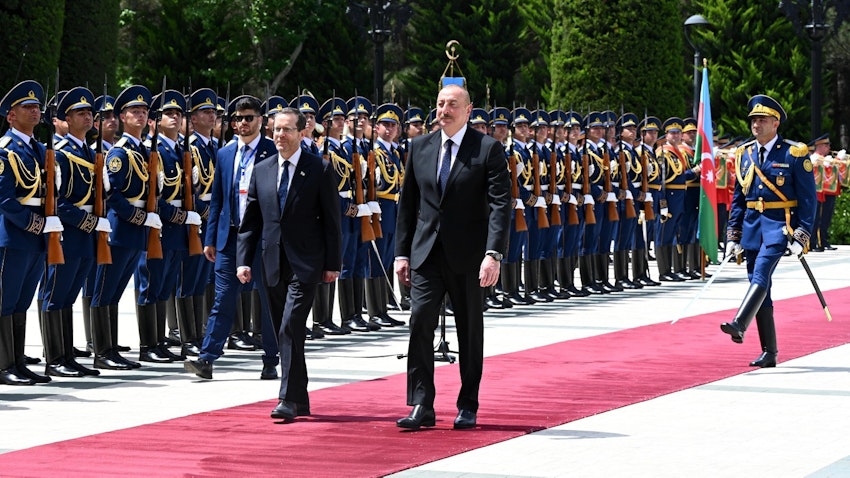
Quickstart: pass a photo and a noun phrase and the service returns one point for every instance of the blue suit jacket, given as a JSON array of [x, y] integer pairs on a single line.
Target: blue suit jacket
[[218, 226]]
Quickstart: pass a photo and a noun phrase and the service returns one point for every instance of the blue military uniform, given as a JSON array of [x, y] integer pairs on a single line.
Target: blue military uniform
[[690, 263], [518, 155], [308, 105], [592, 258], [22, 222], [570, 200], [650, 172], [773, 209], [626, 183], [674, 172]]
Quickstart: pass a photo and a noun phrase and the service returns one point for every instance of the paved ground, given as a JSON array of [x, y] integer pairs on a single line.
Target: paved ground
[[789, 421]]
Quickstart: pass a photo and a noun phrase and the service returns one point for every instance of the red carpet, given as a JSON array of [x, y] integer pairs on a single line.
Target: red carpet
[[352, 431]]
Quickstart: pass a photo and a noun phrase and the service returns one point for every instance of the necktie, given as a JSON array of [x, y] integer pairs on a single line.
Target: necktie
[[445, 167], [761, 156], [35, 149], [237, 180], [283, 188]]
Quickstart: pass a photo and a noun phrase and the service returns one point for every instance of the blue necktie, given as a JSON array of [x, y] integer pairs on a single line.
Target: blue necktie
[[283, 189], [234, 198], [445, 167]]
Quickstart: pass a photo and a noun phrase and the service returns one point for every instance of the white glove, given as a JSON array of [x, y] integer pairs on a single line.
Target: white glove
[[195, 175], [519, 204], [541, 202], [374, 207], [542, 167], [520, 167], [52, 224], [556, 199], [841, 154], [193, 218], [648, 198], [153, 220], [558, 168], [611, 197], [573, 200], [57, 179], [733, 248], [591, 169], [795, 248], [160, 176], [664, 211], [588, 199], [364, 168], [629, 195], [827, 161], [363, 210], [103, 225], [106, 184]]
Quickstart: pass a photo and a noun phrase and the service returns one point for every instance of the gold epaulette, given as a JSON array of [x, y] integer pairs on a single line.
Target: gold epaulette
[[798, 150]]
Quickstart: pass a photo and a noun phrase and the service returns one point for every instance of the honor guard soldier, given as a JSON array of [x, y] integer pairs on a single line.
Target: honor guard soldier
[[389, 174], [60, 127], [500, 119], [479, 120], [673, 168], [196, 286], [22, 223], [432, 123], [272, 106], [63, 282], [690, 264], [591, 260], [522, 184], [414, 121], [156, 279], [826, 175], [572, 198], [773, 210], [627, 189], [105, 106], [333, 113], [355, 245], [308, 105], [649, 195], [536, 169]]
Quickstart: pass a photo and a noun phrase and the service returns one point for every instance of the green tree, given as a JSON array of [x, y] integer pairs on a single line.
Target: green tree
[[88, 39], [603, 57], [753, 49], [29, 41]]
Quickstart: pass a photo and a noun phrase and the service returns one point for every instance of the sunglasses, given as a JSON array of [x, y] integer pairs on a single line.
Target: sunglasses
[[238, 118]]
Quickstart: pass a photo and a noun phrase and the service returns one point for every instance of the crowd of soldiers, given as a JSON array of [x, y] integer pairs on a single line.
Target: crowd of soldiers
[[130, 193]]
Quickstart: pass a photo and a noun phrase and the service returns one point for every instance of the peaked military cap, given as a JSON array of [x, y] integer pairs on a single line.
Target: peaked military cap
[[689, 124], [27, 92], [822, 139], [305, 104], [763, 105], [500, 115], [539, 118], [673, 124], [103, 103], [520, 115], [332, 107], [573, 119], [650, 123], [203, 99], [557, 118], [595, 119], [627, 120], [169, 100], [359, 105], [609, 118], [136, 95], [479, 116], [274, 105], [75, 99], [389, 112], [432, 117], [219, 106], [414, 115]]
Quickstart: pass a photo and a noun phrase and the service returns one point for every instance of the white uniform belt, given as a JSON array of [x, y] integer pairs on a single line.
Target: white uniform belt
[[176, 202], [30, 201], [544, 187], [576, 186], [345, 194], [87, 208], [205, 197], [636, 184], [616, 184], [138, 203], [529, 188]]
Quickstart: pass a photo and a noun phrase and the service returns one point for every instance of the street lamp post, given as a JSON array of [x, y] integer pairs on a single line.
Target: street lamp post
[[695, 21], [386, 19]]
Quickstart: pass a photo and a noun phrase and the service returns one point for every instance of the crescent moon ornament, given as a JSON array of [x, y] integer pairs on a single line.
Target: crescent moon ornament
[[451, 49]]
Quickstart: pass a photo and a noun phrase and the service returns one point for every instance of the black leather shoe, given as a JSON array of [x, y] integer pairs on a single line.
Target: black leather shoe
[[61, 369], [81, 353], [830, 247], [235, 342], [122, 348], [373, 325], [405, 302], [386, 319], [10, 376], [670, 277], [190, 349], [24, 372], [31, 360], [356, 323], [202, 368], [108, 361], [465, 419], [153, 354], [269, 372], [315, 333], [420, 416], [330, 328], [732, 329], [285, 410], [765, 360], [302, 409], [817, 249]]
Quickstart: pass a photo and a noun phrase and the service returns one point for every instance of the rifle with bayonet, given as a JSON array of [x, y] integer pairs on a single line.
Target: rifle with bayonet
[[195, 246], [519, 214], [154, 250], [572, 213], [366, 232], [542, 220], [624, 176], [589, 215], [372, 190], [555, 214], [55, 255], [104, 252], [606, 168], [648, 212]]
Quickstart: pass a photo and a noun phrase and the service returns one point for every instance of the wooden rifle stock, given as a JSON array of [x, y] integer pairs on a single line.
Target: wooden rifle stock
[[104, 252], [195, 247], [589, 215], [648, 212], [366, 232], [624, 183], [373, 194], [555, 215], [519, 221], [55, 255], [154, 244], [572, 214], [542, 220], [612, 206]]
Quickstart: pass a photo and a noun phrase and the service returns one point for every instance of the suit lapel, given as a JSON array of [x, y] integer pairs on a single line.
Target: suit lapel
[[430, 155], [300, 176], [462, 159]]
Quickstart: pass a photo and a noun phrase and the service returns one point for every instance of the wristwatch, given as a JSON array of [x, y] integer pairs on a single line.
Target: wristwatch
[[497, 256]]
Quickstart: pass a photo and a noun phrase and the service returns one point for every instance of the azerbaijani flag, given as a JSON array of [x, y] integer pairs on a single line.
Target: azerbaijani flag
[[707, 232]]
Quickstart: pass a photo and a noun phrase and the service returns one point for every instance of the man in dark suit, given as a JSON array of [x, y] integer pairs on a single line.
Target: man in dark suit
[[452, 229], [293, 208], [235, 163]]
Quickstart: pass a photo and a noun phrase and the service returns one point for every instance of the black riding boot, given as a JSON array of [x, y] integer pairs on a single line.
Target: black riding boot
[[749, 306], [9, 374], [767, 336]]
